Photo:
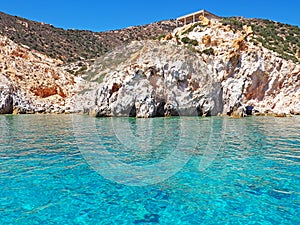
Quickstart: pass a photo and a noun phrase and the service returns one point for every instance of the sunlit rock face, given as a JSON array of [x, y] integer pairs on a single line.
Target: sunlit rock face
[[221, 72], [31, 82], [249, 74], [156, 79]]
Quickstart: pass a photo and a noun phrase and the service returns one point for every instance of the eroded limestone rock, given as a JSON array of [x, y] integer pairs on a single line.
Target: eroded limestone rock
[[162, 80]]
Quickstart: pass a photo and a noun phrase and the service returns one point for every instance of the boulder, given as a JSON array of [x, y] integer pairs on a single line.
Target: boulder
[[206, 39], [6, 102], [238, 113], [204, 21]]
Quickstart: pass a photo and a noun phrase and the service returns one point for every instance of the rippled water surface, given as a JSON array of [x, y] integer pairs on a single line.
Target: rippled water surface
[[64, 169]]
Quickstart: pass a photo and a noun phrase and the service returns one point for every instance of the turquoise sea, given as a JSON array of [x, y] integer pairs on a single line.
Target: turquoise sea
[[71, 169]]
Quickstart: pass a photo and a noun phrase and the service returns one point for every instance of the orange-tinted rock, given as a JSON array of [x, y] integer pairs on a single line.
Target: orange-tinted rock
[[115, 88], [168, 37], [44, 92], [206, 39], [204, 21], [239, 44], [34, 78]]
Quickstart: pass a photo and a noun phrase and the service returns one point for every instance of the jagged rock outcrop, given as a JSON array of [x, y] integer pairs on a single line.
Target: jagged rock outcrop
[[6, 100], [225, 73], [250, 75], [158, 80]]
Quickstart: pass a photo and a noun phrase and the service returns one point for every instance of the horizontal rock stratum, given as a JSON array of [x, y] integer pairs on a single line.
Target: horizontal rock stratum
[[201, 69]]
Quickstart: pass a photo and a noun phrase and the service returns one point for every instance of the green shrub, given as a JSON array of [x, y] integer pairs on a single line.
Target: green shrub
[[194, 42], [209, 51], [234, 23], [161, 37], [185, 40]]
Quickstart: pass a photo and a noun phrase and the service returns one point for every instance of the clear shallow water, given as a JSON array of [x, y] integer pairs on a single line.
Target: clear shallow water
[[250, 171]]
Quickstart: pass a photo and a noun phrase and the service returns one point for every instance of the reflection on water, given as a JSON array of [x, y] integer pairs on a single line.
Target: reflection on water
[[235, 171]]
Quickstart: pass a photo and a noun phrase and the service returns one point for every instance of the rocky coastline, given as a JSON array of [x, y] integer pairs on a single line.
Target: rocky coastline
[[203, 69]]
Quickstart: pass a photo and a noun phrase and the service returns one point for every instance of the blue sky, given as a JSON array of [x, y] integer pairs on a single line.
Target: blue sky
[[101, 15]]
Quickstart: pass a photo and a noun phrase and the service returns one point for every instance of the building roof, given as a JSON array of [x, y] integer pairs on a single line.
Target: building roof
[[201, 12]]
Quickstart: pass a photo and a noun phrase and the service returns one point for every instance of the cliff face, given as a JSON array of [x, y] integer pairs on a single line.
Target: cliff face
[[207, 68], [31, 82], [156, 79], [250, 75], [201, 70]]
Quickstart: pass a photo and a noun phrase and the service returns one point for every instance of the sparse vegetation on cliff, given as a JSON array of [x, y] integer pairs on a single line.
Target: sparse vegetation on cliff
[[208, 51], [73, 45], [278, 37]]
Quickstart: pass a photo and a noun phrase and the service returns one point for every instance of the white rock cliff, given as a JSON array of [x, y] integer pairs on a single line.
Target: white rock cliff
[[224, 73]]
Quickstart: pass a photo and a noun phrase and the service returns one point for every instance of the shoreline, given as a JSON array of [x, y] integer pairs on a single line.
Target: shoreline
[[271, 114]]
